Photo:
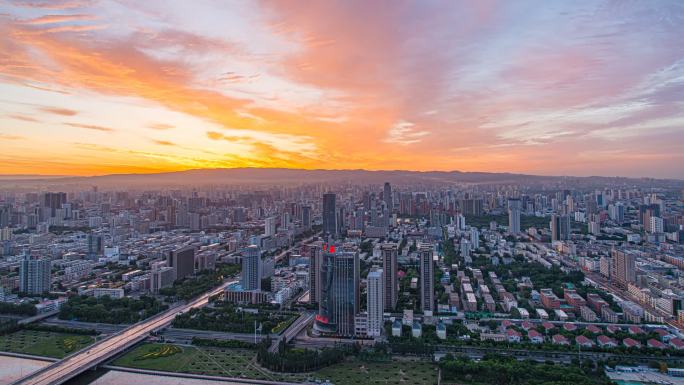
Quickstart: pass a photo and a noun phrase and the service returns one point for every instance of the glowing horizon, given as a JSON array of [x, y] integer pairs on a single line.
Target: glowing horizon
[[581, 88]]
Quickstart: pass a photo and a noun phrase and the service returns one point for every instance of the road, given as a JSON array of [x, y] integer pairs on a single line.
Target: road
[[177, 335], [291, 332], [105, 349], [306, 241]]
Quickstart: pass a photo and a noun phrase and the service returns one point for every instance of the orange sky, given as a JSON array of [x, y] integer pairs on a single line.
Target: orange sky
[[98, 87]]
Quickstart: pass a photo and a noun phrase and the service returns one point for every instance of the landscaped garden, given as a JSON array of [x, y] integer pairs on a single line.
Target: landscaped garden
[[44, 343], [242, 363]]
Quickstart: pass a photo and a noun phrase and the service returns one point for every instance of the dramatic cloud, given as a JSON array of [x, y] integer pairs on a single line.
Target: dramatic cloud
[[587, 87]]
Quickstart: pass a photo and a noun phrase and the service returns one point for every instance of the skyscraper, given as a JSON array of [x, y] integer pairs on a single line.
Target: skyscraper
[[387, 197], [623, 267], [95, 245], [52, 202], [560, 227], [340, 293], [183, 261], [315, 262], [475, 238], [270, 226], [427, 278], [514, 207], [330, 215], [251, 268], [389, 253], [375, 300], [34, 275], [306, 217]]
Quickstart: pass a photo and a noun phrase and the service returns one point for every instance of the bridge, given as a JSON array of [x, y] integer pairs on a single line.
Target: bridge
[[291, 332], [104, 350]]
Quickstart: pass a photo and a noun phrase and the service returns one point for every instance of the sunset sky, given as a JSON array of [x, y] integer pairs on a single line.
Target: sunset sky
[[542, 87]]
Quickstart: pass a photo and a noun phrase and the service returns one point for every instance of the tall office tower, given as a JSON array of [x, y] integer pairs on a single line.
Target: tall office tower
[[5, 216], [375, 302], [329, 215], [34, 275], [623, 267], [95, 245], [560, 227], [182, 260], [340, 293], [387, 197], [315, 262], [514, 207], [427, 278], [389, 252], [52, 202], [270, 226], [306, 217], [475, 238], [251, 268]]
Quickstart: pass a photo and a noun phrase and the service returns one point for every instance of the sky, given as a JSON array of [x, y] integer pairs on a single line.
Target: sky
[[549, 87]]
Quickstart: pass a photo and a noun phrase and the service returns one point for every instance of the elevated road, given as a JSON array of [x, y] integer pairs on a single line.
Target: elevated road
[[291, 332], [100, 352]]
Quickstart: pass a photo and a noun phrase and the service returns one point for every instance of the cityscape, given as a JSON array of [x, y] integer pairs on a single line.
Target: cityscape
[[341, 193]]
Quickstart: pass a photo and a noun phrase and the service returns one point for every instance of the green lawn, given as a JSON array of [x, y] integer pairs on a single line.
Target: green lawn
[[41, 343], [201, 360], [242, 363], [395, 373]]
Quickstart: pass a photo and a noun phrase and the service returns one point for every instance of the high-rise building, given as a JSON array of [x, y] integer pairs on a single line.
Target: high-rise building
[[330, 215], [475, 238], [251, 268], [623, 269], [340, 293], [34, 275], [427, 278], [306, 217], [315, 262], [183, 261], [5, 216], [387, 197], [514, 207], [375, 302], [656, 225], [270, 226], [389, 252], [52, 202], [560, 227], [617, 212], [95, 245]]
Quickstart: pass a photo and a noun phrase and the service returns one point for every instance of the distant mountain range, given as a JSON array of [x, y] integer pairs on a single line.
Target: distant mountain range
[[297, 176]]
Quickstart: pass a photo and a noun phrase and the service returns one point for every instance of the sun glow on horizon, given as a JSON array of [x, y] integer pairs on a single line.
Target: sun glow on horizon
[[581, 88]]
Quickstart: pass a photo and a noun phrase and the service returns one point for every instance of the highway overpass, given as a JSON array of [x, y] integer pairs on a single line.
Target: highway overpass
[[101, 351]]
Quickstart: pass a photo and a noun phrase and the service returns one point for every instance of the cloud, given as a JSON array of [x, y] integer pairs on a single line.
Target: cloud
[[164, 143], [10, 137], [52, 4], [51, 19], [90, 127], [403, 133], [59, 111], [24, 118], [160, 126]]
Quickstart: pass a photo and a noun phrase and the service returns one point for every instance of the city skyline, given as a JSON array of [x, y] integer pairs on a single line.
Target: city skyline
[[588, 88]]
